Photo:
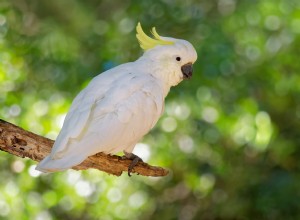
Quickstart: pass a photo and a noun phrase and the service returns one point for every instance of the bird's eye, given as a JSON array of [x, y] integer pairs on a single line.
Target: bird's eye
[[178, 58]]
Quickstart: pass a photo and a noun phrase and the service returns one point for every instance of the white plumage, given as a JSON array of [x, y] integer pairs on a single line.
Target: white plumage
[[119, 106]]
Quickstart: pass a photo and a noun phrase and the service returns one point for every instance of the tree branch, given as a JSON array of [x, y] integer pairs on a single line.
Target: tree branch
[[22, 143]]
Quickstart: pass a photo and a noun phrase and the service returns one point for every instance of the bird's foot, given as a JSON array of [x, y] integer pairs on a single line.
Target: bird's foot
[[135, 159]]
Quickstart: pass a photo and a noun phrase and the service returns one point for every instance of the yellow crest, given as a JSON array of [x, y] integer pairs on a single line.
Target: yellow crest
[[147, 42]]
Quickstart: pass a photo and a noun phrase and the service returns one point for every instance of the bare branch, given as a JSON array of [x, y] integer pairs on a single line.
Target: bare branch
[[22, 143]]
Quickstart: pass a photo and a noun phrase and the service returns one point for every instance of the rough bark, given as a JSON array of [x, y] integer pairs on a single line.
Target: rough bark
[[22, 143]]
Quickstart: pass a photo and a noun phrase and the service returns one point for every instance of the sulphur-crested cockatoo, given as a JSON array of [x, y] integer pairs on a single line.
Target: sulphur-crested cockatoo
[[122, 104]]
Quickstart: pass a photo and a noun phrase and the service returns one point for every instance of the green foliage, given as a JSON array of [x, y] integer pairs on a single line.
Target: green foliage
[[230, 135]]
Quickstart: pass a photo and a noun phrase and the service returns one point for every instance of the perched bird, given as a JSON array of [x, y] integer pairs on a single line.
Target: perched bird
[[121, 105]]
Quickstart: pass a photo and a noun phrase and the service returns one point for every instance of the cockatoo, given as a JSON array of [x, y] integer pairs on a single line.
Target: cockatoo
[[121, 105]]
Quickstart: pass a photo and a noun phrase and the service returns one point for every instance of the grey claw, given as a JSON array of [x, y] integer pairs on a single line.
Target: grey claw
[[135, 159], [133, 163]]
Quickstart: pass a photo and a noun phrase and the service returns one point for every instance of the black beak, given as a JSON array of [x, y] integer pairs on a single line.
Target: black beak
[[187, 70]]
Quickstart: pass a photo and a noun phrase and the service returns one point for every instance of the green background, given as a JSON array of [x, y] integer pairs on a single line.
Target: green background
[[230, 135]]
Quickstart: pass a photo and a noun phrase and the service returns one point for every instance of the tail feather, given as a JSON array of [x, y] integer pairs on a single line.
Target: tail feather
[[49, 165]]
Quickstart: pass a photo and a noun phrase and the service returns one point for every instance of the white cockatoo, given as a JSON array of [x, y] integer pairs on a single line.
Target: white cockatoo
[[122, 104]]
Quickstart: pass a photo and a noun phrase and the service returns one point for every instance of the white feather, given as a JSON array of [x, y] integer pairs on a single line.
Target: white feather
[[110, 115], [119, 106]]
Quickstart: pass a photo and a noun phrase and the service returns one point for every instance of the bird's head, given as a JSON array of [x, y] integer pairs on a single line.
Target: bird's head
[[174, 57]]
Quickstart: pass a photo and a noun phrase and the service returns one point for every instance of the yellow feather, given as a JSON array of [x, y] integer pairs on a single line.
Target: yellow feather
[[147, 42], [155, 34]]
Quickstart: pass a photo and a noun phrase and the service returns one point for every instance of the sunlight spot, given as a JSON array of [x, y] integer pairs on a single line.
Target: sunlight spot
[[13, 74], [210, 114], [33, 172], [244, 130], [11, 189], [207, 181], [273, 44], [143, 151], [114, 195], [122, 211], [153, 179], [66, 203], [7, 86], [186, 144], [14, 110], [73, 176], [182, 111], [188, 211], [52, 135], [2, 20], [17, 166], [40, 108], [264, 130], [44, 215], [252, 52], [34, 126], [34, 199], [286, 37], [126, 25], [4, 207], [169, 124], [137, 200], [83, 188], [272, 23], [57, 98], [226, 7]]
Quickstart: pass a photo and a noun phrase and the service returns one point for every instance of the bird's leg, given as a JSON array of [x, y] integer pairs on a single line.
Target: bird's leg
[[135, 159]]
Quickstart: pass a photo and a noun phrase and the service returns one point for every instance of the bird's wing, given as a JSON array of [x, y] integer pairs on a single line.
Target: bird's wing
[[82, 106], [133, 116], [104, 122]]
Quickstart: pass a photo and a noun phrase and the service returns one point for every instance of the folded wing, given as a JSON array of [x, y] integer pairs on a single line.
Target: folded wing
[[106, 117]]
